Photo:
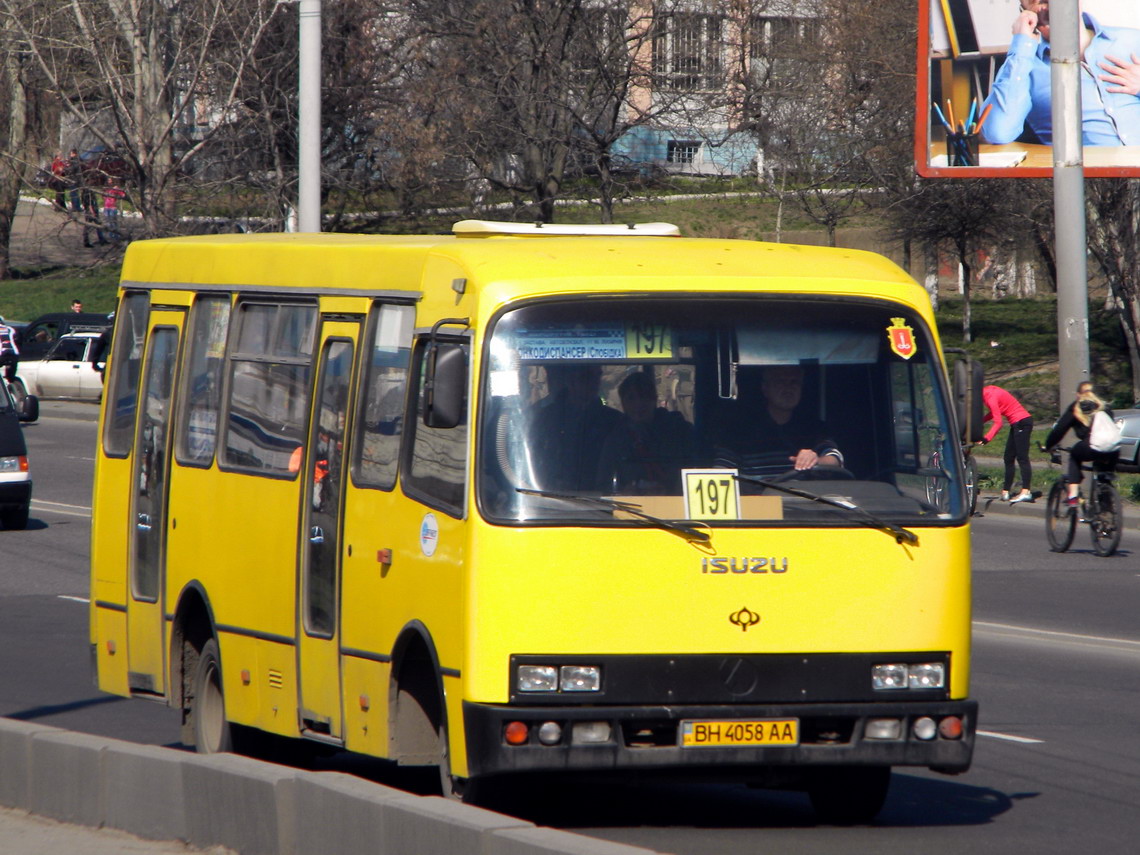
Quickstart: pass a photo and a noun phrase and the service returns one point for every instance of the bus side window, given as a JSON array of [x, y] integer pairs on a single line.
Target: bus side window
[[436, 467], [202, 386], [123, 390], [270, 366], [380, 422]]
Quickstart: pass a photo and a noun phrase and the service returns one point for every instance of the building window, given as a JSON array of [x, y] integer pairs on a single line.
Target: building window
[[687, 51], [682, 151]]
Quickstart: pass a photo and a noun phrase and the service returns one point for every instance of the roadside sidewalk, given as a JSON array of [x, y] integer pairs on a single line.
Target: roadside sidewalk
[[27, 834]]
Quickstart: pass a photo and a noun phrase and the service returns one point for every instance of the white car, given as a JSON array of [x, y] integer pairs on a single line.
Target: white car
[[1129, 421], [72, 368]]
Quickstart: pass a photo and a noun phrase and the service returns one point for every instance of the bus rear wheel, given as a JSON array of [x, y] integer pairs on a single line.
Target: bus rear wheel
[[849, 795], [212, 732]]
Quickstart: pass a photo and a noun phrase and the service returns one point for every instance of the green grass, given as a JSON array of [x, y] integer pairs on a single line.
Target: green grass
[[29, 296]]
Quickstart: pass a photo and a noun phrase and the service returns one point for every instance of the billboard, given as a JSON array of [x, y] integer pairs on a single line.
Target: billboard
[[983, 94]]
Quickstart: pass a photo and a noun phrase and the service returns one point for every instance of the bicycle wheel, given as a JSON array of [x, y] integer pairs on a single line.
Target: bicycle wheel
[[971, 486], [1060, 519], [937, 491], [1105, 518]]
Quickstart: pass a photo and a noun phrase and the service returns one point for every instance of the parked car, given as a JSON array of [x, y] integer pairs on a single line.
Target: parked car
[[72, 368], [15, 480], [38, 337], [1129, 421]]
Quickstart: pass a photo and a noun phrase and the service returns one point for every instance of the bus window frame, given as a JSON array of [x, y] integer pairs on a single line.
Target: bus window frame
[[184, 403], [359, 478], [119, 363], [232, 355]]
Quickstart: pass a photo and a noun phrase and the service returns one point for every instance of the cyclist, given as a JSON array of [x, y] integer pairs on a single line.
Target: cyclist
[[1078, 418], [1001, 404]]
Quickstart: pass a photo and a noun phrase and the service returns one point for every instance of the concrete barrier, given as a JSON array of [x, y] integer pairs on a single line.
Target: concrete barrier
[[251, 807]]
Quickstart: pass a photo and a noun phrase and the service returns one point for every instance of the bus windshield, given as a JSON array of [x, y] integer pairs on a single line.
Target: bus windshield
[[701, 408]]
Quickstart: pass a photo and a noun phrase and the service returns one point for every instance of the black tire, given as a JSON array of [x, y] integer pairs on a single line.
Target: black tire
[[1060, 519], [29, 409], [937, 486], [971, 486], [849, 795], [15, 518], [1106, 518], [212, 731]]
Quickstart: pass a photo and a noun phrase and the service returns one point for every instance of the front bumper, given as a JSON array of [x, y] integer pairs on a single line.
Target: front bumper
[[648, 737]]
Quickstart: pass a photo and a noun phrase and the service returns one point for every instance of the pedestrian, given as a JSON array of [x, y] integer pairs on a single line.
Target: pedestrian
[[73, 178], [9, 351], [91, 216], [1078, 417], [112, 196], [76, 306], [59, 182], [1002, 407]]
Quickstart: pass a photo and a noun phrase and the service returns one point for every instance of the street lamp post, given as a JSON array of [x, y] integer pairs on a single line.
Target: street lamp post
[[309, 119]]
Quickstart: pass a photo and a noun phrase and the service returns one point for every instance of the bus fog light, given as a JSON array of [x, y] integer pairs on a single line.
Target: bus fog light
[[550, 733], [590, 732], [925, 728], [891, 676], [516, 733], [926, 675], [581, 678], [883, 728], [538, 678], [950, 727]]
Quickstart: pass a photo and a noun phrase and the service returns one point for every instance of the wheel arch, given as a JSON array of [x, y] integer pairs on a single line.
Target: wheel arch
[[191, 627], [417, 705]]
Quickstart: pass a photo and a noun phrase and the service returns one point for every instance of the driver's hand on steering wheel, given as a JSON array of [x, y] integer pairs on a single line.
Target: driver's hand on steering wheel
[[808, 459]]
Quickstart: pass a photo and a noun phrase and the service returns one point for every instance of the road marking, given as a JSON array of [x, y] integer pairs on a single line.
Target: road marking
[[61, 508], [1009, 737], [75, 599], [1054, 635]]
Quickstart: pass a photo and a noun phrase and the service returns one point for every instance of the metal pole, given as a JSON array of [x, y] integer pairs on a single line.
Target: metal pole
[[309, 119], [1065, 26]]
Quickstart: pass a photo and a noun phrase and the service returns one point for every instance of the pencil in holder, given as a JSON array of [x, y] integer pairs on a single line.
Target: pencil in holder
[[962, 150]]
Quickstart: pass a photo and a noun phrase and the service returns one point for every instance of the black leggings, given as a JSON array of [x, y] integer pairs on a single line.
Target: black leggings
[[1082, 452], [1017, 448]]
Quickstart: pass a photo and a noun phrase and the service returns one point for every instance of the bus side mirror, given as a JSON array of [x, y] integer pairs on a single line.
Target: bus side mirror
[[969, 378], [445, 385]]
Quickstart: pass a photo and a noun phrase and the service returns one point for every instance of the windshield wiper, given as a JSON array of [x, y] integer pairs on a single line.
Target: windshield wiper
[[900, 534], [688, 531]]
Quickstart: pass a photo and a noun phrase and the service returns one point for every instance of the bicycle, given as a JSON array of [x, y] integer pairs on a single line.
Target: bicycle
[[1101, 510], [937, 488]]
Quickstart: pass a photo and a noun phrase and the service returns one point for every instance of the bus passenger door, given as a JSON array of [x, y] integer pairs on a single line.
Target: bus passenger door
[[151, 467], [322, 497]]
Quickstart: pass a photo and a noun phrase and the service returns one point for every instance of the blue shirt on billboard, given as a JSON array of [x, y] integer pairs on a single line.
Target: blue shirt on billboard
[[1021, 91]]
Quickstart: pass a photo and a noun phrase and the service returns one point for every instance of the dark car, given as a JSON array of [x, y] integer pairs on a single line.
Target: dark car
[[37, 338], [15, 481]]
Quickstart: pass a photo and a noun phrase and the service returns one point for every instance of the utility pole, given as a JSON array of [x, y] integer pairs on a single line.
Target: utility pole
[[309, 119], [1065, 25]]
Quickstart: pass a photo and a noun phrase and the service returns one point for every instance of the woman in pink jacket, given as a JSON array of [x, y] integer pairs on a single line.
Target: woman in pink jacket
[[1003, 407]]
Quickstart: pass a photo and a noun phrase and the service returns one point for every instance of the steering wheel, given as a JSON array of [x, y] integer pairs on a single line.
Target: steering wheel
[[818, 473]]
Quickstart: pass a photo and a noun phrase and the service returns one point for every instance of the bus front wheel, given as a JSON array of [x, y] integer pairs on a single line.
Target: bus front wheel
[[212, 733], [849, 795]]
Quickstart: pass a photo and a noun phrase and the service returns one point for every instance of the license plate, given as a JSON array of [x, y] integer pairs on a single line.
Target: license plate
[[713, 734]]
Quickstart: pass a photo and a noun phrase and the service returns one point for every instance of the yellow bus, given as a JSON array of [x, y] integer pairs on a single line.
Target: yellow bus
[[528, 499]]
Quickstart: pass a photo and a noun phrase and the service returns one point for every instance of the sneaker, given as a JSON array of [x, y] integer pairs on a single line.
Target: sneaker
[[1024, 496], [1005, 495], [1073, 501]]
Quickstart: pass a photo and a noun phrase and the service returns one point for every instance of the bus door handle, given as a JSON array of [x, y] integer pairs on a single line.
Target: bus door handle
[[316, 534], [144, 522]]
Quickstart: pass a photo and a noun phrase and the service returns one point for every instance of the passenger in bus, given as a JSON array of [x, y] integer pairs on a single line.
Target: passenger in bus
[[647, 451], [779, 435], [569, 428]]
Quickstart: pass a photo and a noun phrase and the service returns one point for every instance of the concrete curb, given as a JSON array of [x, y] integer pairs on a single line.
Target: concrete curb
[[251, 807]]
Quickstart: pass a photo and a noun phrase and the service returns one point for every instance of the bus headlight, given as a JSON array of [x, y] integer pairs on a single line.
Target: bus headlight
[[538, 678], [913, 675], [581, 678]]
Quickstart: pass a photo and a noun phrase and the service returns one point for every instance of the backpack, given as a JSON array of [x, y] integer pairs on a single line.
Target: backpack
[[1104, 433]]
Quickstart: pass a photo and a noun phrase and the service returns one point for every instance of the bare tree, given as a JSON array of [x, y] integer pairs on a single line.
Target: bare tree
[[149, 79]]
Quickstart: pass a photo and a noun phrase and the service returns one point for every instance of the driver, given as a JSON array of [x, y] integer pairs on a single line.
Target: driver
[[780, 437]]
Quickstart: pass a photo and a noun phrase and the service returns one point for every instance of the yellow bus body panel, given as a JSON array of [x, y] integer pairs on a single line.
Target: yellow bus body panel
[[490, 591]]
